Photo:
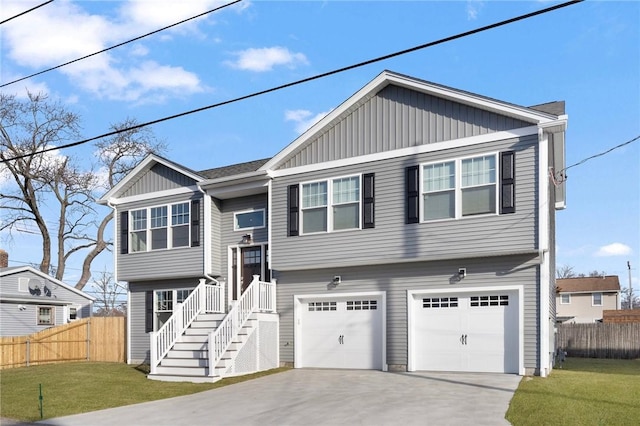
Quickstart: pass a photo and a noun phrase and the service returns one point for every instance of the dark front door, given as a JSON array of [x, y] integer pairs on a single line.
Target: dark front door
[[246, 262]]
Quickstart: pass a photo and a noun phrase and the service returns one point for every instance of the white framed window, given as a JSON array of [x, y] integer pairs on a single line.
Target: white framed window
[[165, 302], [458, 188], [596, 299], [331, 205], [565, 299], [153, 229], [23, 284], [46, 315], [250, 219], [180, 225]]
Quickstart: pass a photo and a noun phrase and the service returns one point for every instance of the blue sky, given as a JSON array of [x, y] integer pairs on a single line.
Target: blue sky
[[586, 54]]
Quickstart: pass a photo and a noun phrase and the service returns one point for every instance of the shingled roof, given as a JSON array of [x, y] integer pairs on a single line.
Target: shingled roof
[[234, 169], [588, 284]]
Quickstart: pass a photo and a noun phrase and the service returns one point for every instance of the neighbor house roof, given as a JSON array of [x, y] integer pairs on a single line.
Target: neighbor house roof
[[588, 284], [29, 269]]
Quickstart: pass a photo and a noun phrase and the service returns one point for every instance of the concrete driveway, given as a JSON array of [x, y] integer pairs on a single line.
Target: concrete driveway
[[326, 397]]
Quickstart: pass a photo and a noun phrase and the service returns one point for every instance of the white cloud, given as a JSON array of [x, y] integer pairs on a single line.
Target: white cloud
[[304, 119], [614, 249], [473, 9], [264, 59], [63, 31]]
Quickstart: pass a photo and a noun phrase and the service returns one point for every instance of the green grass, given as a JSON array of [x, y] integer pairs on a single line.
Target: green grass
[[88, 386], [584, 392]]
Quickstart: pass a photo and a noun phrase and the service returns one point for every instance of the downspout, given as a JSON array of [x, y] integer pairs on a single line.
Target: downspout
[[543, 246]]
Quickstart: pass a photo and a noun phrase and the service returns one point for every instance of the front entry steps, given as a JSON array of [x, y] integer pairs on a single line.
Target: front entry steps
[[188, 360]]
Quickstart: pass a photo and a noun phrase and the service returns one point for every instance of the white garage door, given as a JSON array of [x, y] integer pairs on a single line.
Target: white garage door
[[341, 333], [467, 332]]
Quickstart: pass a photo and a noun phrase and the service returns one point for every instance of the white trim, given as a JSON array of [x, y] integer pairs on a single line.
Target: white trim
[[185, 190], [206, 234], [297, 312], [543, 245], [129, 320], [144, 164], [414, 150], [411, 298], [385, 78]]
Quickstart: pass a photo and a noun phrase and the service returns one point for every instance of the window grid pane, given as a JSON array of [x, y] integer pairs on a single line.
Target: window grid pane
[[479, 171], [314, 194], [180, 214], [439, 177], [346, 190], [158, 217], [139, 220]]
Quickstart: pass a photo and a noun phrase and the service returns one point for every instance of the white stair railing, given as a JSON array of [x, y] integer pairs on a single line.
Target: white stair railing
[[204, 298], [259, 296]]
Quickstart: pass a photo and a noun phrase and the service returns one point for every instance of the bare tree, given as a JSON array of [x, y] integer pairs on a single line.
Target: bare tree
[[110, 296], [565, 271], [625, 293], [42, 180]]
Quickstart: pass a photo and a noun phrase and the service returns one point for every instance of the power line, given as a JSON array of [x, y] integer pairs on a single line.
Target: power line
[[304, 80], [601, 154], [25, 12], [121, 44]]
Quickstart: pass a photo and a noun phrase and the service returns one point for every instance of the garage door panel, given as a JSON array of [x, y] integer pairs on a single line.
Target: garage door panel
[[477, 332], [344, 333]]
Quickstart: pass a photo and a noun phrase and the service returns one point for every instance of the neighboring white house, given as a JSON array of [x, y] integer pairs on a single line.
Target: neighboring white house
[[412, 228], [31, 301], [583, 299]]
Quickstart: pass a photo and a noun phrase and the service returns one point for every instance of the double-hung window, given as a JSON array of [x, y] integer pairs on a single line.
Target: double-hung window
[[139, 230], [180, 225], [459, 188], [159, 227], [331, 205], [597, 299]]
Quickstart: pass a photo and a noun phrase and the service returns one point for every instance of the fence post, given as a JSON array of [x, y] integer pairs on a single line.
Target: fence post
[[28, 351], [88, 339]]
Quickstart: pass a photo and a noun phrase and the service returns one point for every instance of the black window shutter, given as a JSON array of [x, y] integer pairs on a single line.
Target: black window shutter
[[124, 232], [507, 182], [293, 210], [413, 189], [368, 183], [195, 223], [148, 311]]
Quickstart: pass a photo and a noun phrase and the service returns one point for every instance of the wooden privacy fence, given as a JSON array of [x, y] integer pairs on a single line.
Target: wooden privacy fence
[[89, 339], [600, 340]]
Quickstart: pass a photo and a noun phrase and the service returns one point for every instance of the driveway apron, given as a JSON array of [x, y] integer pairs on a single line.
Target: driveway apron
[[326, 397]]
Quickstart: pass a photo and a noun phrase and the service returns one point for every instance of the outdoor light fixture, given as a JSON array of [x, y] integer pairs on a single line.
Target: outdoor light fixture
[[246, 239], [462, 272], [337, 280]]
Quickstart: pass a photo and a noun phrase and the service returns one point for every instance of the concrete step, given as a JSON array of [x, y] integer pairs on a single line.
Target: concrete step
[[182, 371], [178, 378], [185, 362]]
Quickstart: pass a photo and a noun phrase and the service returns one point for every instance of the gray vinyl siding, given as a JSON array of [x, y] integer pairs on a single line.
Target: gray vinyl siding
[[230, 237], [169, 263], [398, 118], [394, 241], [217, 267], [138, 338], [17, 322], [396, 279], [158, 178]]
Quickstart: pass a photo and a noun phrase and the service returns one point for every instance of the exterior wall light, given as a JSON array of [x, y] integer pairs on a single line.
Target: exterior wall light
[[336, 280], [246, 239], [462, 272]]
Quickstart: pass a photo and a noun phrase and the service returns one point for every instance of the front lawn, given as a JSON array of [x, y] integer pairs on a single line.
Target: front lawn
[[585, 391], [88, 386]]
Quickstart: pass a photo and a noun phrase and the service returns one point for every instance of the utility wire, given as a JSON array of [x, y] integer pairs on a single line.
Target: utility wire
[[25, 12], [121, 44], [600, 154], [304, 80]]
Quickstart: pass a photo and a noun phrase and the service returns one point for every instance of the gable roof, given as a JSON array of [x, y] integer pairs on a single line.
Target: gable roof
[[588, 284], [144, 166], [541, 115], [20, 269]]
